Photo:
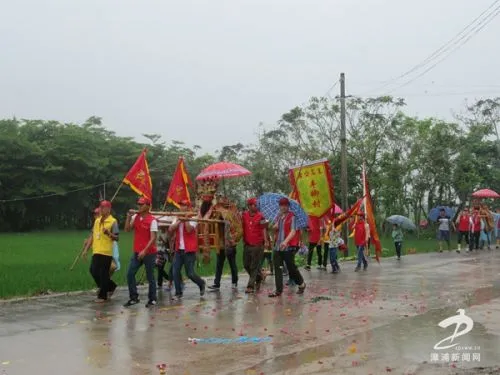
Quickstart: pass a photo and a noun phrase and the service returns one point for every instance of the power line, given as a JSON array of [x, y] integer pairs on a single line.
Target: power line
[[497, 92], [485, 22], [56, 194], [89, 187], [449, 44], [333, 86]]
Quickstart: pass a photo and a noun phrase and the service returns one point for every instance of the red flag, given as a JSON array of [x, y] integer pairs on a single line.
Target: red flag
[[342, 218], [178, 190], [370, 217], [138, 177]]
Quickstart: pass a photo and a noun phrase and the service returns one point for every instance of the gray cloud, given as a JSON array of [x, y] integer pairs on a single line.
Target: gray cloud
[[208, 72]]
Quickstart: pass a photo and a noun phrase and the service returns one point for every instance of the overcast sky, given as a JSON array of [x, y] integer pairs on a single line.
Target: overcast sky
[[208, 72]]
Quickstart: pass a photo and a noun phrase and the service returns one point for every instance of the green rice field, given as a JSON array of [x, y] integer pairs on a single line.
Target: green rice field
[[38, 263]]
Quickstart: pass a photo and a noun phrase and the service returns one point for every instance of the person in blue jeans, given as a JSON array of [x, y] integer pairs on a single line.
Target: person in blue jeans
[[145, 228], [335, 242], [360, 240], [186, 247]]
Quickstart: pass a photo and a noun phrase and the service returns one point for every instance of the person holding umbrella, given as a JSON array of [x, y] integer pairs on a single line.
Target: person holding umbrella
[[397, 237], [445, 223], [287, 244]]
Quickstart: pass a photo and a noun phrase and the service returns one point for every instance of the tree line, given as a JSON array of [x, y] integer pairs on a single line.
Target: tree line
[[52, 174]]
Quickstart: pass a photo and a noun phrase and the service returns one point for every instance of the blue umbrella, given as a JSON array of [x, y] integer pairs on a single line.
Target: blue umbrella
[[434, 213], [269, 205], [402, 221]]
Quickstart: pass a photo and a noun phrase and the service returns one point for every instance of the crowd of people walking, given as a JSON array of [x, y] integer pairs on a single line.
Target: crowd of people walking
[[154, 246]]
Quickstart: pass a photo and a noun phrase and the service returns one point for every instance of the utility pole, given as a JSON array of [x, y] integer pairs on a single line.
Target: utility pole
[[343, 153]]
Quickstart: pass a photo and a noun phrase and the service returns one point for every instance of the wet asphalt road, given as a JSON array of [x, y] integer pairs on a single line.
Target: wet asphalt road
[[384, 320]]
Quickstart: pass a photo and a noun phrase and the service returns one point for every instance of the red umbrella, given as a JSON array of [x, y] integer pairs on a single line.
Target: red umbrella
[[485, 193], [223, 170]]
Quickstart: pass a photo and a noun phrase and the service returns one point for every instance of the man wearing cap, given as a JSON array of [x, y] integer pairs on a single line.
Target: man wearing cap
[[145, 229], [104, 232], [254, 239], [186, 247], [287, 244]]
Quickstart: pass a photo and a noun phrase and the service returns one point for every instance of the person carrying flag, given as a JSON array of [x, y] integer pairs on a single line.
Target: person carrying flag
[[360, 240]]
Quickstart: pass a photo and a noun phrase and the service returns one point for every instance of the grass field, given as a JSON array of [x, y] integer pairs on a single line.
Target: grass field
[[37, 263]]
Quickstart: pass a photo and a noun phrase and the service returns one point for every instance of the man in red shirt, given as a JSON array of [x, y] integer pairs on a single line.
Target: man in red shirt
[[186, 247], [314, 230], [145, 229], [254, 239], [475, 229], [463, 223], [360, 240]]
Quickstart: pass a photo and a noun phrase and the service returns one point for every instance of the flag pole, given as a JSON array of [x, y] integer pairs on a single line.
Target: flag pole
[[116, 192], [77, 258]]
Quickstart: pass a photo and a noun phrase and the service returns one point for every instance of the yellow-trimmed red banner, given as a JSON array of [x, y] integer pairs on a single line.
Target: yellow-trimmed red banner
[[312, 186]]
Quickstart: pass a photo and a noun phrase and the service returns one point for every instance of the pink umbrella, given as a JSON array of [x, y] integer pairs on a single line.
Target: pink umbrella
[[485, 193], [223, 170], [335, 211]]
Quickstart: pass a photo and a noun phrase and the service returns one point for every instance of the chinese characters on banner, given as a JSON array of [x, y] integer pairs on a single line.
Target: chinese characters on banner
[[313, 187]]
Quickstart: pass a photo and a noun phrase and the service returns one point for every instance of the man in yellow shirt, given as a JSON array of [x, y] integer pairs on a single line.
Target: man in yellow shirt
[[104, 232]]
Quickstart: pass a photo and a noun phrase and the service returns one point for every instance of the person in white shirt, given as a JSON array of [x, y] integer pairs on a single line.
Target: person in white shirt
[[186, 247]]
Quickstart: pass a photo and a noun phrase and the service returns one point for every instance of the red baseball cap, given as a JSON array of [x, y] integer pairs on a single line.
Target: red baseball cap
[[144, 200], [252, 201], [97, 211], [105, 204], [284, 202]]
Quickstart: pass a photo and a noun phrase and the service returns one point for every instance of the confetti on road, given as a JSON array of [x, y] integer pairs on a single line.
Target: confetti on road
[[352, 348]]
